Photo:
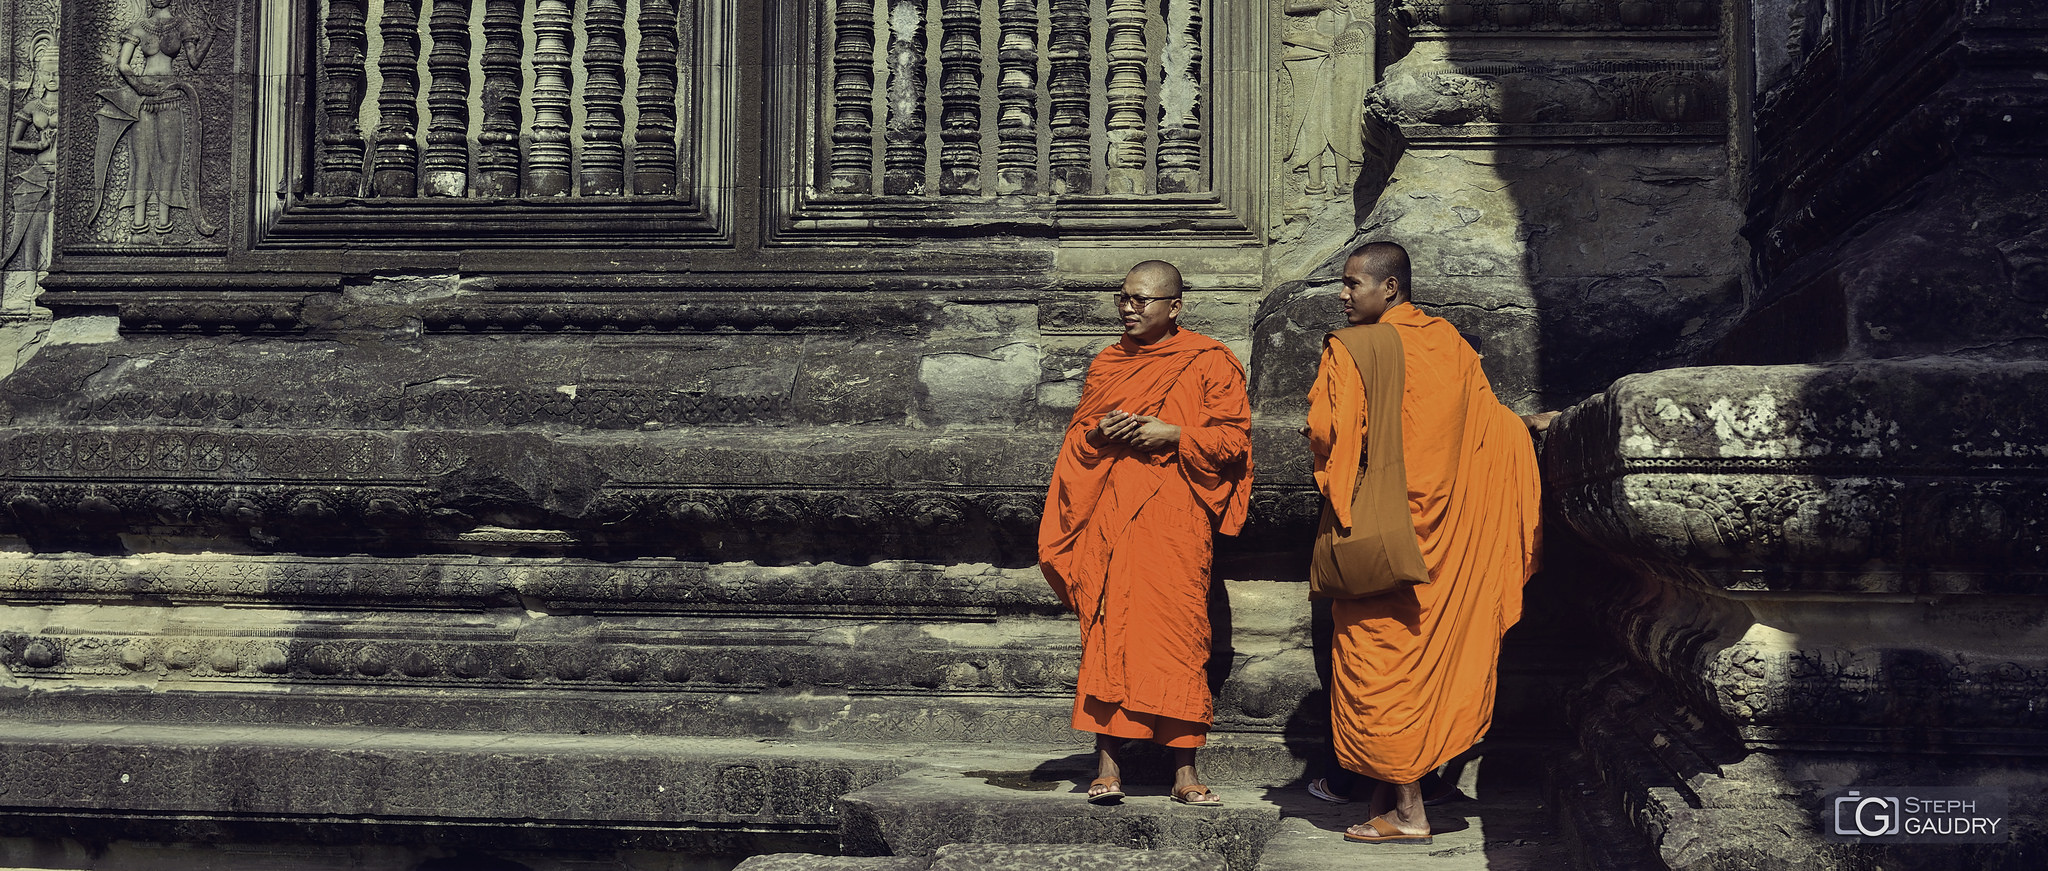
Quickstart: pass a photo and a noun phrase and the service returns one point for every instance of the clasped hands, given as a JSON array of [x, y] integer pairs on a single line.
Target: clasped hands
[[1141, 431]]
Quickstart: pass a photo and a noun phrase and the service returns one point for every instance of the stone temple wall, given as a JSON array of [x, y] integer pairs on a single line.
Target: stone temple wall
[[1826, 554], [621, 427]]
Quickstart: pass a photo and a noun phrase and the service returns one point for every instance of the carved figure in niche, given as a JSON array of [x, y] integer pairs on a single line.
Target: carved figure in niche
[[155, 116], [34, 132], [1328, 60]]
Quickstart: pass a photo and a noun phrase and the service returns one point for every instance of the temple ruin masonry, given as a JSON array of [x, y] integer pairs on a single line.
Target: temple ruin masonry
[[548, 434]]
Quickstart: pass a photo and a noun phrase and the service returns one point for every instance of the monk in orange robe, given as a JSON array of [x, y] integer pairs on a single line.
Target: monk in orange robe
[[1413, 669], [1156, 461]]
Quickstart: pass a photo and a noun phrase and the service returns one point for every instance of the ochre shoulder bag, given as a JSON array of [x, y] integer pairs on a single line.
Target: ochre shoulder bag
[[1379, 552]]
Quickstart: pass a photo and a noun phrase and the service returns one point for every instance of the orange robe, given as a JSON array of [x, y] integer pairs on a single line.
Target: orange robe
[[1127, 535], [1413, 670]]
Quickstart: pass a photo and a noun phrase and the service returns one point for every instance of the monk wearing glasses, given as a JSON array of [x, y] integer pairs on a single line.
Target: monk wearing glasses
[[1156, 461]]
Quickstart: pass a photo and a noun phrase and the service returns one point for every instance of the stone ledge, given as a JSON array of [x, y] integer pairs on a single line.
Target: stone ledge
[[1911, 473], [807, 716], [1000, 857], [563, 585], [415, 776], [1942, 415], [917, 814]]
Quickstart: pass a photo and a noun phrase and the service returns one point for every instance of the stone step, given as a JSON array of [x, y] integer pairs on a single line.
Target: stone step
[[224, 786], [999, 857], [243, 783], [1502, 821], [921, 812], [933, 817], [252, 784]]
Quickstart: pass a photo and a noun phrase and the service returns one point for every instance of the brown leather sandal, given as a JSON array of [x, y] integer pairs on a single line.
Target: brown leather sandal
[[1113, 794], [1384, 832]]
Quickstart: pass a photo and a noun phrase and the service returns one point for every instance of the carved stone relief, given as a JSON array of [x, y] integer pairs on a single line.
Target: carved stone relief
[[150, 149], [1327, 59], [33, 135], [28, 165]]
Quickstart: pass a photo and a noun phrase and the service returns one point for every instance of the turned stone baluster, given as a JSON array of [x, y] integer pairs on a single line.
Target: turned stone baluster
[[1125, 118], [447, 157], [547, 166], [960, 97], [1067, 86], [1180, 93], [497, 161], [903, 155], [397, 160], [1017, 98], [654, 139], [850, 168], [603, 164], [341, 160]]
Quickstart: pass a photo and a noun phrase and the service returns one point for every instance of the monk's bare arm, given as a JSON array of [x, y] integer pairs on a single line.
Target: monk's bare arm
[[1540, 421]]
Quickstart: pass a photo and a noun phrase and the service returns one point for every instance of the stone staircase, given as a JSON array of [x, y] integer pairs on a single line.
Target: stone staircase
[[939, 816]]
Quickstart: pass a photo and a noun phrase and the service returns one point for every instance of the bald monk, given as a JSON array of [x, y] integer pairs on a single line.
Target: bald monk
[[1413, 669], [1156, 461]]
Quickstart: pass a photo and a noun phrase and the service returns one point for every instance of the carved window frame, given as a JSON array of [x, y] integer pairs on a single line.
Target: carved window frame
[[801, 210], [699, 215]]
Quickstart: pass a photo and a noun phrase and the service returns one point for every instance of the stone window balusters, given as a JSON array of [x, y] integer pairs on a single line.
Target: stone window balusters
[[903, 155], [497, 159], [447, 155], [1017, 100], [548, 158], [654, 137], [343, 148], [396, 165], [960, 97], [602, 168], [853, 90], [1125, 119], [1180, 93], [1068, 90]]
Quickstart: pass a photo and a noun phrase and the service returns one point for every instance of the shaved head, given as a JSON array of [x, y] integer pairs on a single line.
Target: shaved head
[[1159, 275], [1383, 260]]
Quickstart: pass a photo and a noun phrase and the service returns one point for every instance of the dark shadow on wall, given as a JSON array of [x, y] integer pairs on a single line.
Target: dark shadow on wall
[[1564, 187]]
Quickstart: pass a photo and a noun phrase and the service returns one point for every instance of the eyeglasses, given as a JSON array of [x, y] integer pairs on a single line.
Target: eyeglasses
[[1132, 300]]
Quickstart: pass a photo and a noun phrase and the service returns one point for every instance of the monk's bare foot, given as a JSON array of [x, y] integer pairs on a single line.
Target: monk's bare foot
[[1389, 828], [1402, 822], [1108, 786], [1187, 786]]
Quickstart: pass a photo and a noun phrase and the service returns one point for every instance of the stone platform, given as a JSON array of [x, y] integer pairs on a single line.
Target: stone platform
[[933, 817]]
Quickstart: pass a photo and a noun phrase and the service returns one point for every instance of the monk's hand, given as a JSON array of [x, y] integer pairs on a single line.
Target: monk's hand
[[1540, 421], [1148, 433], [1105, 430]]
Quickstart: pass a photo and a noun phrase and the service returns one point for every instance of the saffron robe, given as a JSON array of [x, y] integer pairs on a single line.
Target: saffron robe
[[1413, 670], [1127, 535]]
